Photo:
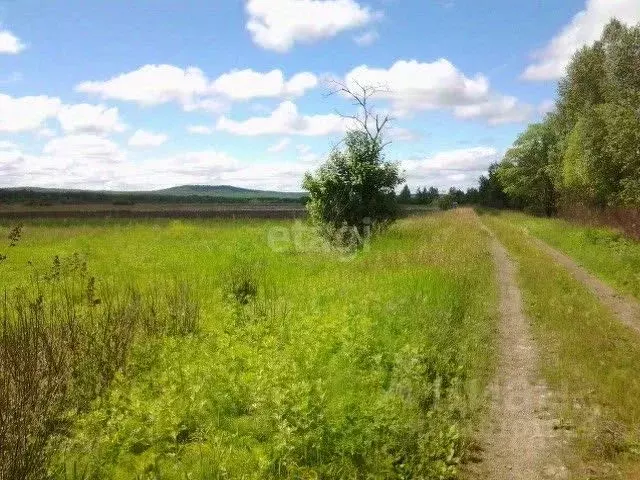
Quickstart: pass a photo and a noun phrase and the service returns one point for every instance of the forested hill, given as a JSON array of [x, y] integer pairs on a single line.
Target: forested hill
[[227, 191], [586, 152], [180, 194]]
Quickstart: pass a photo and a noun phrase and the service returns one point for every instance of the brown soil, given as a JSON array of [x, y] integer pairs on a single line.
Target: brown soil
[[520, 441]]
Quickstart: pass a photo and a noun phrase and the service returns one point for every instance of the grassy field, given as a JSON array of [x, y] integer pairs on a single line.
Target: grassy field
[[307, 363], [605, 252], [588, 358]]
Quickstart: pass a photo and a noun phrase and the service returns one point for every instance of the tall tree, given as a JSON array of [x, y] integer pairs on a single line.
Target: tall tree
[[405, 195], [526, 171]]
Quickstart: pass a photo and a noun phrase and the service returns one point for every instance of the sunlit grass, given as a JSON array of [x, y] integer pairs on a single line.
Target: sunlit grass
[[605, 252], [365, 366]]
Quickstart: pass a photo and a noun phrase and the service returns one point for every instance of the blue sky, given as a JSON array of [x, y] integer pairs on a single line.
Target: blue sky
[[143, 94]]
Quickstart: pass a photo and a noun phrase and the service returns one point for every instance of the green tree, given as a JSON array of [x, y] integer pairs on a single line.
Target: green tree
[[405, 195], [525, 172], [355, 187], [490, 191]]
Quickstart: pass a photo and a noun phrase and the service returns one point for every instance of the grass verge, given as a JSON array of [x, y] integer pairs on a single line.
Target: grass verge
[[605, 252]]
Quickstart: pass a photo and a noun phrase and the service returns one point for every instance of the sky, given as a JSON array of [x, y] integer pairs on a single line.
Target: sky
[[148, 94]]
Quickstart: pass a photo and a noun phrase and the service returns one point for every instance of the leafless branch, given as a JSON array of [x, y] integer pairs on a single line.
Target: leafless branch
[[372, 123]]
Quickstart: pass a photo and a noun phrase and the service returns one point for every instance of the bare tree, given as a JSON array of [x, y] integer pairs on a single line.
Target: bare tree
[[371, 122]]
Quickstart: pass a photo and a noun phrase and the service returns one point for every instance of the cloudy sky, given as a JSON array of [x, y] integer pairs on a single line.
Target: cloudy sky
[[142, 94]]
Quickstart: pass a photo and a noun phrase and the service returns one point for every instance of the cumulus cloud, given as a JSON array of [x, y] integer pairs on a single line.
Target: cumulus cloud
[[496, 110], [88, 118], [413, 86], [366, 39], [400, 134], [142, 138], [248, 84], [84, 147], [283, 176], [21, 114], [9, 43], [586, 27], [284, 120], [459, 168], [92, 161], [73, 161], [279, 24], [151, 85], [280, 146]]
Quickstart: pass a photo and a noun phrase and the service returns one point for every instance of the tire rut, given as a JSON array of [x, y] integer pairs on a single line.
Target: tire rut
[[625, 308], [520, 443]]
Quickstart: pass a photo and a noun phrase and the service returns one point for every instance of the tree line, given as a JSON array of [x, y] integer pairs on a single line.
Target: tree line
[[433, 197], [586, 151]]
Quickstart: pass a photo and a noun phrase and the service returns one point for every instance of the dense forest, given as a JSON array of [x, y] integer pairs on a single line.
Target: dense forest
[[586, 152]]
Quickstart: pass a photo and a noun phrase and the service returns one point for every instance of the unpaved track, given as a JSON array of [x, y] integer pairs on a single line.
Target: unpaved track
[[625, 308], [520, 442]]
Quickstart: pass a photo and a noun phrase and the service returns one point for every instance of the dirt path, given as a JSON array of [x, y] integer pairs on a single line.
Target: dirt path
[[626, 308], [520, 442]]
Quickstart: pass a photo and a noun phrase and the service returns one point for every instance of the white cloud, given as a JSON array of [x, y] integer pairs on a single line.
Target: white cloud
[[248, 84], [201, 167], [21, 114], [46, 133], [280, 146], [283, 176], [86, 118], [413, 86], [284, 120], [546, 106], [142, 138], [211, 105], [306, 155], [200, 129], [86, 148], [91, 161], [367, 38], [400, 134], [279, 24], [585, 28], [496, 110], [5, 145], [459, 168], [9, 43], [152, 85], [73, 161]]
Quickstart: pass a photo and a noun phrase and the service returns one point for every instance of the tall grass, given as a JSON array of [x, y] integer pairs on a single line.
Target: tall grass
[[306, 365], [62, 341]]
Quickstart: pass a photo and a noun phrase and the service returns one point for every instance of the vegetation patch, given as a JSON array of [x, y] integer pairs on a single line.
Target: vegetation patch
[[309, 366]]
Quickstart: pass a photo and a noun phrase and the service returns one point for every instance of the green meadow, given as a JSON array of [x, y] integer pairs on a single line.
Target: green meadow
[[286, 359]]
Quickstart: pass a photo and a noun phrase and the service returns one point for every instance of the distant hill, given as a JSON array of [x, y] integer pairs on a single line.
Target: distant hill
[[226, 191], [180, 194]]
